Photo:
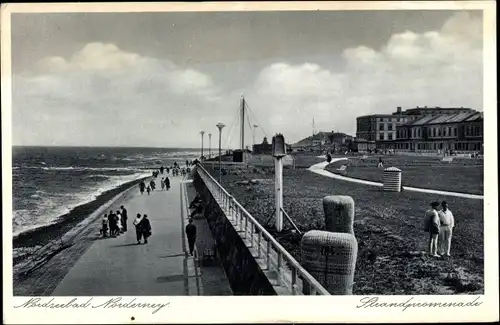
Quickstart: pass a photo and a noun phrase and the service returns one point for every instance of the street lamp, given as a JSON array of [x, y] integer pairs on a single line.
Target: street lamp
[[220, 126], [209, 145], [202, 133]]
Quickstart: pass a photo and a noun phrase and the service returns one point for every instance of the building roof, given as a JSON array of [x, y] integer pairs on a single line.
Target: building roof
[[446, 118]]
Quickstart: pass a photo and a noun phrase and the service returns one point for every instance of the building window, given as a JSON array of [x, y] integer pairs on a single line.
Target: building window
[[381, 127], [438, 132], [389, 127], [390, 136], [454, 132]]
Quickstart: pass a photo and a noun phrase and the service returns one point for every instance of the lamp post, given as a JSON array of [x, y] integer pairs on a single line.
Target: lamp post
[[209, 145], [220, 126], [279, 151], [202, 133]]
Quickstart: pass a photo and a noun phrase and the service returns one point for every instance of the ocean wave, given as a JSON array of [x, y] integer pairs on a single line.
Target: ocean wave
[[49, 208]]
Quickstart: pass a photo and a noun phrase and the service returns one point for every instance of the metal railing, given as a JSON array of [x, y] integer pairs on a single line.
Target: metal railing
[[258, 238]]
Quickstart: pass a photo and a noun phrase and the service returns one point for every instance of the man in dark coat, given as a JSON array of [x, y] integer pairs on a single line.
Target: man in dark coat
[[167, 183], [191, 235], [112, 224], [124, 218], [146, 228]]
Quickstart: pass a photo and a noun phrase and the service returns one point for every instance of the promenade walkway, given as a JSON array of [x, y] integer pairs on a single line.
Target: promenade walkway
[[320, 169], [119, 266]]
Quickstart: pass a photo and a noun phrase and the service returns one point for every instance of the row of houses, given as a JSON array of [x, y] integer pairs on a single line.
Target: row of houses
[[421, 129]]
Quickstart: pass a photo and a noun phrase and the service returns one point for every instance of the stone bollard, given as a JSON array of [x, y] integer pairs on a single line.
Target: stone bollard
[[339, 213], [331, 259]]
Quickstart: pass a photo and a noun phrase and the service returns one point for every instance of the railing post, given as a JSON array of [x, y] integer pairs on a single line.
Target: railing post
[[278, 269], [294, 280], [259, 242], [246, 226], [251, 234], [268, 254]]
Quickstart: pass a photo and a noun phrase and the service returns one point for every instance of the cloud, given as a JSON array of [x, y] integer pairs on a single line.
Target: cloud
[[104, 95], [110, 92], [435, 68]]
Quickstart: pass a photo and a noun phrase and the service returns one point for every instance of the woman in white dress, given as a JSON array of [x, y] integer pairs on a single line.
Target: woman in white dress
[[119, 222]]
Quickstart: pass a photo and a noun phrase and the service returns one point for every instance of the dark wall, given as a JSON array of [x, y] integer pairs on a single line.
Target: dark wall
[[244, 274]]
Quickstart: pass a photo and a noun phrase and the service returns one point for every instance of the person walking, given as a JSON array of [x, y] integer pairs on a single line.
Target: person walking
[[446, 230], [153, 185], [191, 235], [104, 229], [138, 227], [146, 228], [432, 225], [167, 183], [142, 186], [380, 163], [162, 182], [112, 224], [124, 218], [119, 225], [148, 189], [161, 170]]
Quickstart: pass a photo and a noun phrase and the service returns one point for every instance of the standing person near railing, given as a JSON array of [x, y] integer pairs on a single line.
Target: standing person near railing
[[191, 235]]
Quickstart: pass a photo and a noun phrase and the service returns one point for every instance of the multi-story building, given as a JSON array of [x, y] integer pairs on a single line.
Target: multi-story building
[[457, 132], [382, 128]]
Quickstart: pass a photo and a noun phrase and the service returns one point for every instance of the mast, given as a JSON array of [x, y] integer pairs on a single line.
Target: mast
[[242, 123], [312, 139]]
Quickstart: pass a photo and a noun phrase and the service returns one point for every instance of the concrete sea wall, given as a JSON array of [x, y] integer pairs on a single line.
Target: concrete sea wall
[[243, 272]]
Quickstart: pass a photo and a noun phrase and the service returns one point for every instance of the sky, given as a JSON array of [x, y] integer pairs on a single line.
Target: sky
[[158, 79]]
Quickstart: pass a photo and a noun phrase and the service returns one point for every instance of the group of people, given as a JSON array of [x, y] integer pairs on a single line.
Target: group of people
[[115, 223], [439, 224], [142, 228]]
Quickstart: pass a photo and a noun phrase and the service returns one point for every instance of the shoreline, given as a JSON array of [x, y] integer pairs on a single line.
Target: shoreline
[[43, 235]]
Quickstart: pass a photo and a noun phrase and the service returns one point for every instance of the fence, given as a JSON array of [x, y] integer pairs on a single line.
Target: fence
[[257, 237]]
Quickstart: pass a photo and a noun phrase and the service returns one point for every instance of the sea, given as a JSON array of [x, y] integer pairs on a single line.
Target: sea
[[48, 182]]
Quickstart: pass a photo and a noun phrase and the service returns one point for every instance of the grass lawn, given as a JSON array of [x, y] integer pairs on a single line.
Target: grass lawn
[[388, 227], [461, 175]]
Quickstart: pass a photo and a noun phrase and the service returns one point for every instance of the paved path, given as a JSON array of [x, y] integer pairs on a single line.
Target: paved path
[[320, 169], [118, 266]]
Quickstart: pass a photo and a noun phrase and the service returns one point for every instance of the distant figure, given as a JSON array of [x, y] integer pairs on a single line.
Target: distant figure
[[380, 163], [153, 185], [167, 183], [432, 225], [119, 225], [162, 184], [187, 163], [447, 222], [142, 186], [146, 228], [168, 170], [148, 189], [124, 218], [191, 235], [161, 170], [138, 227], [104, 229], [328, 158]]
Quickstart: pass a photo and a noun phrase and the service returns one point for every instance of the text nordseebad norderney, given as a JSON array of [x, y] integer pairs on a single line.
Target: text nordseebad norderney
[[117, 302]]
